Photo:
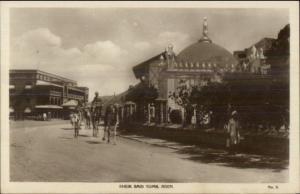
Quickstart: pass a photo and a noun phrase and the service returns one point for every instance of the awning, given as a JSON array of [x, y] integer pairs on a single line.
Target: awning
[[129, 103], [44, 83], [160, 99], [48, 107], [28, 86], [70, 103]]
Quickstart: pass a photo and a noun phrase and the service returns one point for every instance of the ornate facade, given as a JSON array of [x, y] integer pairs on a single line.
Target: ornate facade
[[195, 66]]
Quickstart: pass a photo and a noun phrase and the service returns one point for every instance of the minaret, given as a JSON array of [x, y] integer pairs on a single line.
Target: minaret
[[205, 37]]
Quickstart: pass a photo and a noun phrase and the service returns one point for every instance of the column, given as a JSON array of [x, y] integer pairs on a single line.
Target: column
[[182, 115], [165, 112], [149, 115], [122, 113]]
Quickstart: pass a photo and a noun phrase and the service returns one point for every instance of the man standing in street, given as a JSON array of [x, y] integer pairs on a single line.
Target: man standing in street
[[233, 130], [110, 122], [116, 123]]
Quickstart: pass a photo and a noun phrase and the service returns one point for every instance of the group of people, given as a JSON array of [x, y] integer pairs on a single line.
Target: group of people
[[44, 116], [93, 116]]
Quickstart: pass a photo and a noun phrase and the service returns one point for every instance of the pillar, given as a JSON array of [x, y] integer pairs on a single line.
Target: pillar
[[182, 115], [149, 115], [161, 112], [122, 113]]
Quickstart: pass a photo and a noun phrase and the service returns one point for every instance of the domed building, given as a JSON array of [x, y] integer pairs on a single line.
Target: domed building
[[195, 66], [206, 52]]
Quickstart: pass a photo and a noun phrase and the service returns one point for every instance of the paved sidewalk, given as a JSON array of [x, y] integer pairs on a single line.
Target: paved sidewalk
[[217, 156], [157, 142]]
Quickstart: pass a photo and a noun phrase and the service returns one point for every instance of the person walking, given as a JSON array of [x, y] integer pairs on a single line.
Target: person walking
[[116, 122], [88, 119], [44, 116], [71, 118], [110, 122], [96, 109], [75, 119]]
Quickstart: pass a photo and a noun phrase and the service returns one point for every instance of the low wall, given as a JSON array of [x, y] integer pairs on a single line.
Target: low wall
[[252, 144], [264, 144]]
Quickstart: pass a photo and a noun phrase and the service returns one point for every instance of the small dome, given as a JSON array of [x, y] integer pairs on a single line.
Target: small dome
[[205, 52]]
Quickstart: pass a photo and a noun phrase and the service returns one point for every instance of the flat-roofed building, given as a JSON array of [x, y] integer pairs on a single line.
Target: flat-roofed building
[[34, 92]]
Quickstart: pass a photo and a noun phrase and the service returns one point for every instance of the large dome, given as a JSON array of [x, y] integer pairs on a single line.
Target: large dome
[[206, 52]]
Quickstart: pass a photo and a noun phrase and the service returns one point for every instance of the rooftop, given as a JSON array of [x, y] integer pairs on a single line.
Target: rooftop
[[41, 72]]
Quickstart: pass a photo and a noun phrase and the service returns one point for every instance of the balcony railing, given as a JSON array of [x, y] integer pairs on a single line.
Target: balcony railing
[[55, 93], [77, 97]]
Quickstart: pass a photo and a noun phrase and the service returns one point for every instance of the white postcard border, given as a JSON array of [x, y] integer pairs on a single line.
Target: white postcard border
[[53, 187]]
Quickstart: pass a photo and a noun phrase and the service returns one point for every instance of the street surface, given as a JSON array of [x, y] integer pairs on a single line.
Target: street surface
[[47, 151]]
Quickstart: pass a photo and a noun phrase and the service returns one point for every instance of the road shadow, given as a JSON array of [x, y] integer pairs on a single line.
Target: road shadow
[[234, 159], [94, 142], [67, 128], [82, 135], [66, 137]]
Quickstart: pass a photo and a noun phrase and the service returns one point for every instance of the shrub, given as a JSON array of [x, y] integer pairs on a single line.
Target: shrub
[[175, 116]]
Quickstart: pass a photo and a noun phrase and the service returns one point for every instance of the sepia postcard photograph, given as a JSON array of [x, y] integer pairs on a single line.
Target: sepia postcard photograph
[[150, 97]]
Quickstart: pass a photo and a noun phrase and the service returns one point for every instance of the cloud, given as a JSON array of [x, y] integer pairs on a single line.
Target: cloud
[[104, 52], [95, 66], [142, 45], [144, 50], [101, 65], [38, 38]]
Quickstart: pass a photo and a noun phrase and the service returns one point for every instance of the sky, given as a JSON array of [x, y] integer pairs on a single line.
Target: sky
[[98, 47]]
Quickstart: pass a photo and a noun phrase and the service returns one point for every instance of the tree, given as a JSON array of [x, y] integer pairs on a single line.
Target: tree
[[142, 95]]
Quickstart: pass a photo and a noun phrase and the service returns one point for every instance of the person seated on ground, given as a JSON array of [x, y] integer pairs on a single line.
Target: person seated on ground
[[265, 130], [283, 131], [207, 120], [260, 129], [273, 131]]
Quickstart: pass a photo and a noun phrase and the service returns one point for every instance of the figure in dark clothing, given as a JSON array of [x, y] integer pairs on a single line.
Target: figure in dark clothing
[[189, 113], [96, 113]]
